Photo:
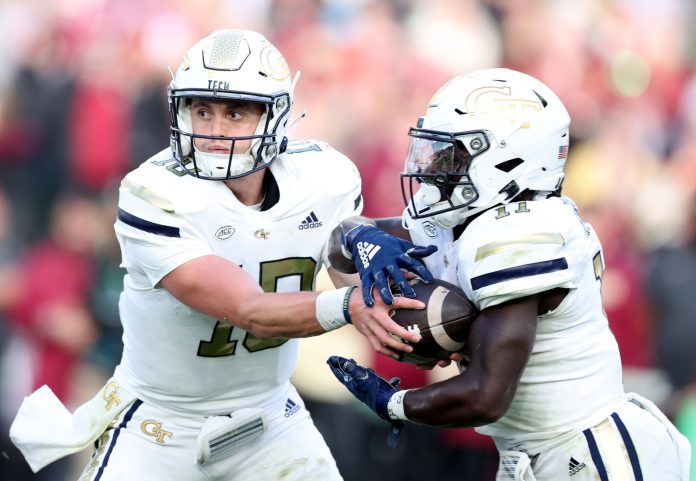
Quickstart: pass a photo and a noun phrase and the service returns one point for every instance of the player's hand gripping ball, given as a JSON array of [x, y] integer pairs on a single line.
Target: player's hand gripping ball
[[443, 325]]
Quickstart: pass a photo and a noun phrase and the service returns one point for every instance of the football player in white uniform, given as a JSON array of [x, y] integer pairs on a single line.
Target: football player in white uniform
[[219, 234], [542, 372]]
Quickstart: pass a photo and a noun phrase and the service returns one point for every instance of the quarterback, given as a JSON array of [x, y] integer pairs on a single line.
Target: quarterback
[[542, 372], [222, 235]]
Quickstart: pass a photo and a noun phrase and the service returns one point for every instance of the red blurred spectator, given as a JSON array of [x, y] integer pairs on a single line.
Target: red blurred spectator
[[54, 281], [100, 133]]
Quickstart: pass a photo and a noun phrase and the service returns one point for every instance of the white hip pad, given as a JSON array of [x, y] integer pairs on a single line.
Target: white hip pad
[[514, 466]]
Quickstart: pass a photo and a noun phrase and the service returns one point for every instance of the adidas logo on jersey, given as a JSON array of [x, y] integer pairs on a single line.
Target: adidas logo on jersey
[[367, 251], [575, 466], [311, 222], [290, 408]]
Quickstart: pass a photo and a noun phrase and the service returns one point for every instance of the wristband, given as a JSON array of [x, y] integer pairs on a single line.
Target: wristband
[[395, 406], [346, 304], [332, 308]]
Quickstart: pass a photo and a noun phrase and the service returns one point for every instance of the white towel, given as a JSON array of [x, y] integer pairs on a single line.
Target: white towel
[[44, 430]]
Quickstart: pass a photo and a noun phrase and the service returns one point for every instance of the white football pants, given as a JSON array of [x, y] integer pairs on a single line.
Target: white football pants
[[633, 444], [153, 444]]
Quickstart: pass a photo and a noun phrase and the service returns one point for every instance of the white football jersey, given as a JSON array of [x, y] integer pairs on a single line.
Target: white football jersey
[[176, 356], [520, 249]]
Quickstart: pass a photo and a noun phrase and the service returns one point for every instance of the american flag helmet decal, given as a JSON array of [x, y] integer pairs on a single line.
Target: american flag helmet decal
[[563, 151]]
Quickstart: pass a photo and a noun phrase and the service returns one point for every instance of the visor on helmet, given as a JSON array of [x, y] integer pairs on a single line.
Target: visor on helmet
[[441, 160], [431, 153]]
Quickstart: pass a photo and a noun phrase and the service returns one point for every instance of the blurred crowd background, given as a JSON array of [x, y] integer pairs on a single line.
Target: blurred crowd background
[[82, 101]]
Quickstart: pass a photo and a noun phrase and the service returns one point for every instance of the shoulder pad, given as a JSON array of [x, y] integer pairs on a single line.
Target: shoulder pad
[[318, 162], [159, 183], [515, 250], [511, 232]]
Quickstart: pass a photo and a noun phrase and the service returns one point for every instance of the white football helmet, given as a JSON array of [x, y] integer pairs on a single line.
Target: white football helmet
[[239, 65], [485, 137]]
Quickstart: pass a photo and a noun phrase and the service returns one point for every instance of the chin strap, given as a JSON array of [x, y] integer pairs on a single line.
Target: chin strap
[[295, 79], [241, 163], [297, 76]]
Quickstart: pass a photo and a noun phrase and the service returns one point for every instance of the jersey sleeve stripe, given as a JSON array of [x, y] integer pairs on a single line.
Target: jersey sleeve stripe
[[147, 226], [147, 195], [517, 272], [506, 245]]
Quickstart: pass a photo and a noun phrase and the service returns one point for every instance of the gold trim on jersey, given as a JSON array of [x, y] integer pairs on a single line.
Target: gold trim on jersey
[[501, 246], [147, 195]]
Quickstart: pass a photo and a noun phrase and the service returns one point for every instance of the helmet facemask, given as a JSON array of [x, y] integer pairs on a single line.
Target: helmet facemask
[[263, 148], [439, 162]]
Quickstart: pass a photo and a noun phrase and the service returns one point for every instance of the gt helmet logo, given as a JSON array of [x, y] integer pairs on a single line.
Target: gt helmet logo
[[273, 63], [497, 103]]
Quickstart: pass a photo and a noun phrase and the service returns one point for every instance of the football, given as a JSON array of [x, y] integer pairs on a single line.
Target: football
[[443, 324]]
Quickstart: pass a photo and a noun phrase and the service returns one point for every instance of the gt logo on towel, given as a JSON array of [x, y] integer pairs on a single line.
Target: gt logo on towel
[[111, 395], [154, 429]]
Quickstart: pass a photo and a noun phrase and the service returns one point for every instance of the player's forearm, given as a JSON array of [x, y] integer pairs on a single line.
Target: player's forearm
[[500, 343], [304, 314], [269, 315], [279, 315], [219, 289], [456, 402]]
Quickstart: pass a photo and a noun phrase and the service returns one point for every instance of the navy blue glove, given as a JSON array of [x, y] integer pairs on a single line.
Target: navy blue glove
[[370, 389], [379, 256]]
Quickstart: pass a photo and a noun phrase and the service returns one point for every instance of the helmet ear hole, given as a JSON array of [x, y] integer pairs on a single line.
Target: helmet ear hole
[[510, 190]]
